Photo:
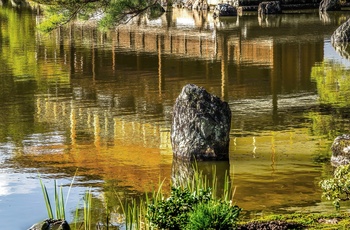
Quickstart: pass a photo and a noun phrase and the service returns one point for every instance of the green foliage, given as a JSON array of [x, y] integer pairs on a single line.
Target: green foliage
[[173, 212], [107, 13], [213, 215], [52, 22], [333, 85], [337, 188]]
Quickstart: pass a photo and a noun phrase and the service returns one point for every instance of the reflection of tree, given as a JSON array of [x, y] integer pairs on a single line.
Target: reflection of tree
[[22, 73], [333, 86], [333, 83], [323, 124]]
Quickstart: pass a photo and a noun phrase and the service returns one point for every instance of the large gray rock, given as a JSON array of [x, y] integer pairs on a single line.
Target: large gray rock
[[342, 33], [270, 7], [329, 5], [201, 126], [341, 150]]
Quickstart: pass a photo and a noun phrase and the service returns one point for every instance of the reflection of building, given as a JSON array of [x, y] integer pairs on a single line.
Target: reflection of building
[[101, 125], [167, 52]]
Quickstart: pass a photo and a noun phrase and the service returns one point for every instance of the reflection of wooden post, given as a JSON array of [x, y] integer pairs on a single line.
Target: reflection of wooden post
[[273, 151], [93, 59], [72, 49], [160, 74], [38, 106], [224, 68], [113, 53], [106, 123], [54, 110], [73, 124], [97, 130], [275, 75], [88, 120]]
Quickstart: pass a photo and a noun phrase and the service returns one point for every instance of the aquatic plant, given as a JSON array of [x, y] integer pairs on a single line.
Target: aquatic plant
[[184, 208], [59, 202], [213, 215], [87, 209], [187, 201]]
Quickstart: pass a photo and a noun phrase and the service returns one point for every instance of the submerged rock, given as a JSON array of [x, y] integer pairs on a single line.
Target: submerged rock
[[341, 150], [201, 125], [51, 224]]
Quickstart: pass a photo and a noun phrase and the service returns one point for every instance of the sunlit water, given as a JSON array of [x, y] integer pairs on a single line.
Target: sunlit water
[[102, 103]]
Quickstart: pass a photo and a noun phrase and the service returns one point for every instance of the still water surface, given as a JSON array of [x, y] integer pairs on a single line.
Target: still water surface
[[102, 103]]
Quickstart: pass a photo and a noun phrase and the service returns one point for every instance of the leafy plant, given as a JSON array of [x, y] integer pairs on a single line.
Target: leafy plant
[[214, 215], [173, 212], [337, 188]]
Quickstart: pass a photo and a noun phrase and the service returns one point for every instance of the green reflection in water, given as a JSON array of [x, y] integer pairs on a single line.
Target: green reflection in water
[[333, 85]]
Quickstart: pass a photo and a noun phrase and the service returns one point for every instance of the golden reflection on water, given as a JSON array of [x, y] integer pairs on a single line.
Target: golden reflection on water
[[102, 102]]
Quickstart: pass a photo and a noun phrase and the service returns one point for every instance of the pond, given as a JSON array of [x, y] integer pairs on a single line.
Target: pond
[[99, 105]]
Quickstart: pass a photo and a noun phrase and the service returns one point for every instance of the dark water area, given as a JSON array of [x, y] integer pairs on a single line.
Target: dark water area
[[101, 102]]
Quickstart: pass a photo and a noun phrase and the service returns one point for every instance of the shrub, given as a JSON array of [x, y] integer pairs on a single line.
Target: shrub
[[213, 215], [173, 212], [337, 188]]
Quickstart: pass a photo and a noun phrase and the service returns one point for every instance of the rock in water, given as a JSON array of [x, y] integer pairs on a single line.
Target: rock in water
[[329, 5], [51, 224], [341, 150], [271, 7], [224, 9], [341, 34], [201, 126]]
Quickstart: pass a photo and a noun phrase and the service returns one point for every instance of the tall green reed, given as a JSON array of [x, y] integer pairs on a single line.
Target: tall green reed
[[60, 201]]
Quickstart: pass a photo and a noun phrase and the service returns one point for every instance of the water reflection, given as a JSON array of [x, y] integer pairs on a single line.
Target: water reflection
[[102, 102]]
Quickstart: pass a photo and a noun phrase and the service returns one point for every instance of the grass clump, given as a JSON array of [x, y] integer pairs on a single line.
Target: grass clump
[[213, 215]]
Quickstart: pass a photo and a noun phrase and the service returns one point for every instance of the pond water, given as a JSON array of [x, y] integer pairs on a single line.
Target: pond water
[[101, 102]]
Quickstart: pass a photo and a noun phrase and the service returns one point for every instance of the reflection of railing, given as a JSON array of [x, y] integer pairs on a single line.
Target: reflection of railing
[[101, 125], [173, 41], [194, 44]]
